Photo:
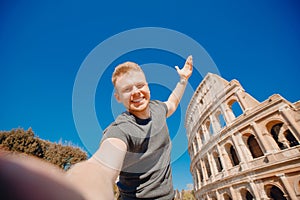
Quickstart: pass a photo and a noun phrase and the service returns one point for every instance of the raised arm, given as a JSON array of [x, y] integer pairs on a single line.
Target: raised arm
[[95, 177], [175, 97]]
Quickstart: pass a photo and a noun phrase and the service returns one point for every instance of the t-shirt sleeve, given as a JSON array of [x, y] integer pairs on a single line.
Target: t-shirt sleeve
[[165, 107], [113, 131], [162, 105]]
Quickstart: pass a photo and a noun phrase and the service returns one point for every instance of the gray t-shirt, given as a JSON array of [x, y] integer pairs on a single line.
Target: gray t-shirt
[[146, 171]]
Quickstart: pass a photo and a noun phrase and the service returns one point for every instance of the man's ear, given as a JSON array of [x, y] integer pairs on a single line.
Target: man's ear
[[117, 96]]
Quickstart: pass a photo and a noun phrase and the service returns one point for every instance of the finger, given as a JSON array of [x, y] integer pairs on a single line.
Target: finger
[[189, 60], [177, 68]]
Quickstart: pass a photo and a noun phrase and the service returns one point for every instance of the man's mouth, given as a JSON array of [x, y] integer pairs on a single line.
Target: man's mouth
[[137, 100]]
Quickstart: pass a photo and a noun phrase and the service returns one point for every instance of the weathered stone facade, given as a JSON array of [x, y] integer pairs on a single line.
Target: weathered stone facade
[[241, 148]]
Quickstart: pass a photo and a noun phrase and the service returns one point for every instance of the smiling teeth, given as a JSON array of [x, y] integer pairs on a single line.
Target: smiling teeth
[[137, 100]]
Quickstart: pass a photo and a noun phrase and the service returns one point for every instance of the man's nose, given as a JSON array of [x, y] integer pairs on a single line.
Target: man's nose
[[135, 90]]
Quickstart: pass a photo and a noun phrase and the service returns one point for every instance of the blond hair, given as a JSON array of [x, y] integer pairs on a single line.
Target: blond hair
[[124, 68]]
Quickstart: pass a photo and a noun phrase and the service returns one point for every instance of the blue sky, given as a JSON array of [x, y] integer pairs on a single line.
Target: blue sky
[[44, 44]]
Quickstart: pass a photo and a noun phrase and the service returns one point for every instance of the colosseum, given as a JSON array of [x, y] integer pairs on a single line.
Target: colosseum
[[241, 148]]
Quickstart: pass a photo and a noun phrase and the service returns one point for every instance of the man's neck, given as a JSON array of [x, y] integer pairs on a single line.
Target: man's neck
[[145, 114]]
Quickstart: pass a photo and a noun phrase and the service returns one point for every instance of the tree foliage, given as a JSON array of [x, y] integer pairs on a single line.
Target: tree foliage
[[184, 195], [21, 141], [188, 195]]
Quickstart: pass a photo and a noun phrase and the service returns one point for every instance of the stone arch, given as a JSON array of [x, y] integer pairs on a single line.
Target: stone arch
[[254, 147], [217, 161], [297, 186], [235, 107], [246, 194], [275, 192], [207, 166], [291, 138], [198, 166], [226, 196], [245, 147], [195, 178], [283, 137], [220, 118], [196, 143], [208, 126], [232, 154], [211, 195], [201, 136]]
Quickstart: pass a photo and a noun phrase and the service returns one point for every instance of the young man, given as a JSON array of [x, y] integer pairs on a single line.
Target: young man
[[136, 146]]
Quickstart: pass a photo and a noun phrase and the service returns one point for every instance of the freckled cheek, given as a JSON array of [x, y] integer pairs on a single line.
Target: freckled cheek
[[125, 98], [147, 92], [128, 98]]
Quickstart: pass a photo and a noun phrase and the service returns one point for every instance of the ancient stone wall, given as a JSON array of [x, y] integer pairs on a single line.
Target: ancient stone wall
[[241, 148]]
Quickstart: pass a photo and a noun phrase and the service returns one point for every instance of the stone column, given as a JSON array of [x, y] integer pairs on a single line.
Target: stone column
[[198, 177], [191, 151], [292, 124], [264, 144], [239, 152], [198, 139], [225, 114], [219, 196], [194, 148], [205, 133], [207, 197], [287, 186], [215, 124], [243, 147], [204, 173], [229, 113], [241, 100], [212, 166], [233, 193], [222, 155], [261, 190], [254, 189], [238, 195]]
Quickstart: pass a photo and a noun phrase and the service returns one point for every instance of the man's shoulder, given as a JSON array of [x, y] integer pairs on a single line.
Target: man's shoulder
[[158, 103], [122, 123], [114, 131], [122, 118]]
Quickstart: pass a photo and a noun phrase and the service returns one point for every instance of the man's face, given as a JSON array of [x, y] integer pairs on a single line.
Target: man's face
[[132, 90]]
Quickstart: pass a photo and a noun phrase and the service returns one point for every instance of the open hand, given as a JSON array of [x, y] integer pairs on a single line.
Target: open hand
[[187, 69]]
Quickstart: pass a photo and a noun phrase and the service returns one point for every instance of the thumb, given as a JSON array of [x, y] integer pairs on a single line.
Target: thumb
[[177, 68]]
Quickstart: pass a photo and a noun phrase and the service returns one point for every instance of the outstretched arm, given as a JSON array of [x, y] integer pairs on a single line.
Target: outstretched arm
[[184, 74], [92, 179], [95, 177]]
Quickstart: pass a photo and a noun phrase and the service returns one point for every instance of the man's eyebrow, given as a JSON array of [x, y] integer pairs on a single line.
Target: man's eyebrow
[[123, 87], [141, 82]]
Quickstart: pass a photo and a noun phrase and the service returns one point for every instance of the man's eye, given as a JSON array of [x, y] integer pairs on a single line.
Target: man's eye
[[127, 89], [140, 85]]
